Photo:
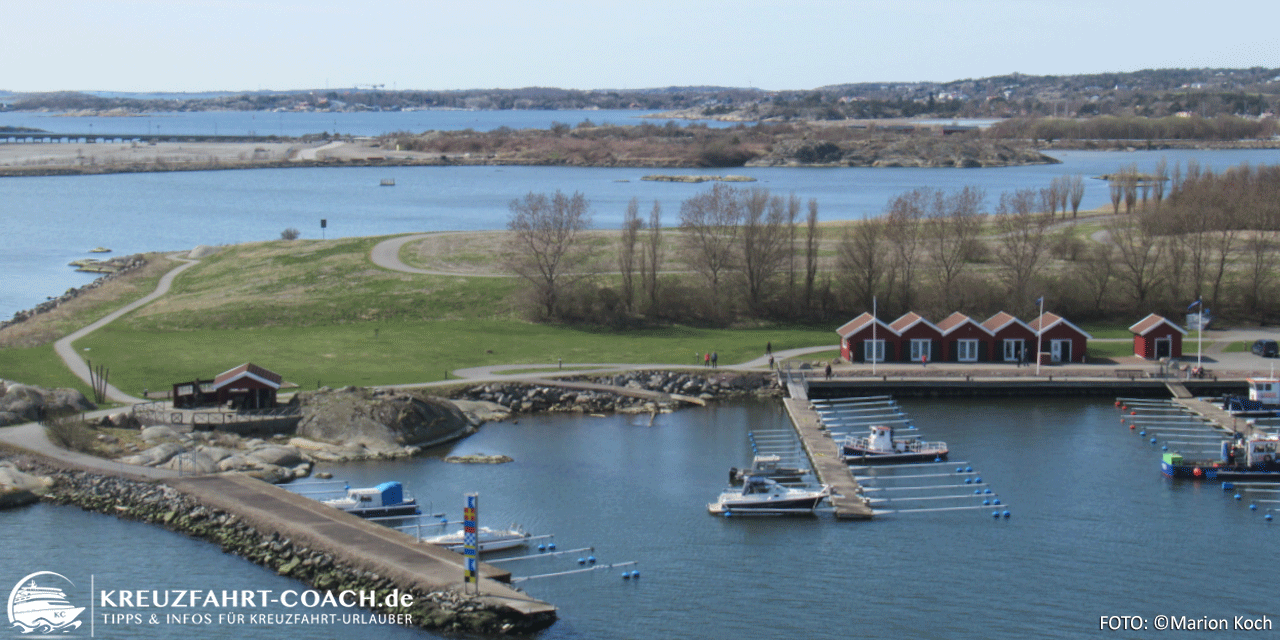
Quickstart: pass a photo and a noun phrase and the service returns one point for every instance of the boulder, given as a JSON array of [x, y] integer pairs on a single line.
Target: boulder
[[281, 456], [159, 433], [154, 456], [23, 402], [383, 422]]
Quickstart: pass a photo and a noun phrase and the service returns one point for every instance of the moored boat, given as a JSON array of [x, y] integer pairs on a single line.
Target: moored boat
[[880, 447], [767, 467], [1263, 400], [762, 496], [1256, 459], [486, 539], [386, 499]]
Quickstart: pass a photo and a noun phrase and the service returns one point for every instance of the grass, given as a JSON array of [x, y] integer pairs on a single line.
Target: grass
[[1241, 346], [1107, 331], [1110, 349], [39, 366]]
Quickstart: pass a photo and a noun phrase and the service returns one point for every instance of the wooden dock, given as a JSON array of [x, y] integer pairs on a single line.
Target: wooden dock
[[824, 459], [1224, 420], [354, 541]]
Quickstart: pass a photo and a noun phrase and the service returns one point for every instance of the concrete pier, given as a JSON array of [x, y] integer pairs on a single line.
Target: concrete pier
[[354, 540], [824, 459]]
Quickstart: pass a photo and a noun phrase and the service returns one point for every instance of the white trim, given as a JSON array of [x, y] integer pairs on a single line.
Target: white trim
[[250, 375], [867, 355], [967, 345], [1009, 343]]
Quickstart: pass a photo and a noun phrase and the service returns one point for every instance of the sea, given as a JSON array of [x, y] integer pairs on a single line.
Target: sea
[[1095, 532], [1096, 537]]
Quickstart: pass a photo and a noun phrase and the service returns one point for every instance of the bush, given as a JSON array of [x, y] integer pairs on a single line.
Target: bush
[[290, 234]]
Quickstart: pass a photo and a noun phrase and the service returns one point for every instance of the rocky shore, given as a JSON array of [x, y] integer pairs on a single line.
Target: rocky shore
[[165, 506], [120, 266], [523, 397]]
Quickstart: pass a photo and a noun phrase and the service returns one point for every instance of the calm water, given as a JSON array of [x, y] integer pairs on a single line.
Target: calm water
[[1095, 530], [50, 221]]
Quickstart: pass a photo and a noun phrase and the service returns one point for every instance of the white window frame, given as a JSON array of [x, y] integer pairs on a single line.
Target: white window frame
[[873, 350], [967, 350], [921, 344], [1009, 355]]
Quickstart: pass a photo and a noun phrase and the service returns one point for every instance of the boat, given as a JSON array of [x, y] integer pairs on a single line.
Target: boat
[[880, 447], [99, 250], [762, 496], [388, 182], [1256, 459], [42, 609], [1263, 400], [386, 499], [487, 539], [766, 467]]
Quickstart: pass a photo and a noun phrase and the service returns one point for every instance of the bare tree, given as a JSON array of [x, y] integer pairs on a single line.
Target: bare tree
[[1023, 244], [1138, 257], [793, 217], [1160, 176], [1116, 188], [544, 244], [631, 225], [765, 241], [952, 229], [812, 241], [710, 222], [904, 230], [863, 257], [653, 255], [1097, 271], [1076, 189]]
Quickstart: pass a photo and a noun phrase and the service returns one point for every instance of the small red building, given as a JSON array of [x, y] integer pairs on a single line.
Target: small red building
[[918, 339], [1014, 340], [1155, 337], [964, 340], [1063, 341], [867, 336], [247, 386]]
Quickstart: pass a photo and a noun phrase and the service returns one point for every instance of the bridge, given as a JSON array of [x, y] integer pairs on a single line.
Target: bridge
[[47, 137]]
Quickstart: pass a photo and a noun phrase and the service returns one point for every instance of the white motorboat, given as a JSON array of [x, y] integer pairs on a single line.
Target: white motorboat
[[386, 499], [880, 447], [762, 496], [487, 539], [769, 466]]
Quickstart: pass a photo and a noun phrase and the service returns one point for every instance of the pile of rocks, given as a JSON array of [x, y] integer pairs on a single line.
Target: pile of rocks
[[27, 403], [174, 510], [122, 265], [202, 452], [520, 397]]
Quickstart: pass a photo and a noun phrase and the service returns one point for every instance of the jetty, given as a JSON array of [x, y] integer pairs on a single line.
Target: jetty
[[824, 454], [354, 541]]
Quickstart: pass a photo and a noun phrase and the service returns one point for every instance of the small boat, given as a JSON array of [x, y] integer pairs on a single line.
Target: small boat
[[766, 467], [99, 250], [880, 447], [386, 499], [1256, 459], [762, 496], [388, 182], [487, 539], [1263, 400], [43, 609]]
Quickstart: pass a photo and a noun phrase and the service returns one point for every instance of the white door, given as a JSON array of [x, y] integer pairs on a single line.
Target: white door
[[1012, 350], [919, 349], [1057, 349]]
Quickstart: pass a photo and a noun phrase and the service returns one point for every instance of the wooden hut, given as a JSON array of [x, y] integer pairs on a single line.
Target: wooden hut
[[1013, 339], [1063, 341], [1155, 337], [247, 386], [918, 339], [964, 339], [867, 336]]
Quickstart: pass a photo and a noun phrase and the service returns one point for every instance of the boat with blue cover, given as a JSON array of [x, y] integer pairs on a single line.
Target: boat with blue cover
[[386, 499]]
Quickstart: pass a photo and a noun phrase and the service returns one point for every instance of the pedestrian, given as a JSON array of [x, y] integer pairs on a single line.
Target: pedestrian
[[771, 362], [706, 359], [923, 360], [714, 356], [828, 370], [768, 347]]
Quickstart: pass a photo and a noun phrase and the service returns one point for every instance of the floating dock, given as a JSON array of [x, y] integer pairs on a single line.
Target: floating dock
[[824, 459]]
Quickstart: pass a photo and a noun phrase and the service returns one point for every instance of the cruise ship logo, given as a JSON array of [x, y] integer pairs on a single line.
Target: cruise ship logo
[[38, 604]]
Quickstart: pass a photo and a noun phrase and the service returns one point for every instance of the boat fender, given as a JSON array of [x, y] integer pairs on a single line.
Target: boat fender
[[1006, 514], [1237, 496], [1253, 507], [1268, 517], [1196, 472]]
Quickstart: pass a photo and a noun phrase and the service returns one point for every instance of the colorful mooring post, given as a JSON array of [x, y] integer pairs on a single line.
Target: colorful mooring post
[[470, 572]]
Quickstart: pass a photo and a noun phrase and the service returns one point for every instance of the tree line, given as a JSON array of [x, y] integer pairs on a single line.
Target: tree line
[[739, 254]]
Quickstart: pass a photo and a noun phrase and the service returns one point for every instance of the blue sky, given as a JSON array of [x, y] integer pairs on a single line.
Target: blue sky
[[203, 45]]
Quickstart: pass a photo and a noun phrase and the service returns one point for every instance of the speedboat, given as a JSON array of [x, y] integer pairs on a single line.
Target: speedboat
[[386, 499], [487, 539], [880, 447], [43, 609], [762, 496], [767, 467]]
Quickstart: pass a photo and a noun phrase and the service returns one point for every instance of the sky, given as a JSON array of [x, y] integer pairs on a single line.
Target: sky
[[246, 45]]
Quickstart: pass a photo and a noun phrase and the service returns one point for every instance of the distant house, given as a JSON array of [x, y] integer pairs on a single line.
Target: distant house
[[1155, 337], [1013, 339], [867, 339], [964, 339], [1063, 341], [247, 386], [917, 338]]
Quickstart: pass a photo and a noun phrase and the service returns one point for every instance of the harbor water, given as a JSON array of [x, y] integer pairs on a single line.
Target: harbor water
[[1095, 530]]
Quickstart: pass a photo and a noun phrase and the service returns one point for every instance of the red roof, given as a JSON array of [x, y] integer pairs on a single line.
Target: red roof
[[1051, 320], [910, 319], [858, 324], [1147, 324], [957, 320], [248, 370]]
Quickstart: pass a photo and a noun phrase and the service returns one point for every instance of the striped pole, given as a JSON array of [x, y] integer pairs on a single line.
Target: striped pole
[[470, 572]]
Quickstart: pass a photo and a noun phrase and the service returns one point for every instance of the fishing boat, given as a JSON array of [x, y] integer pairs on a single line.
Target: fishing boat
[[42, 609], [1256, 459], [766, 467], [386, 499], [487, 539], [880, 447], [762, 496], [1263, 400]]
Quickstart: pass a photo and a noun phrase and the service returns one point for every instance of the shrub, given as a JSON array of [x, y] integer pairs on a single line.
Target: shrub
[[291, 233]]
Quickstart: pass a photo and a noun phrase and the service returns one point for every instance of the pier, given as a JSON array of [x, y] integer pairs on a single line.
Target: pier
[[354, 541], [824, 459]]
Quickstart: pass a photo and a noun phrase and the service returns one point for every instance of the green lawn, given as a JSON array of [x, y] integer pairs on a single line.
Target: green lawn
[[1234, 347], [40, 366], [1107, 331], [1110, 349]]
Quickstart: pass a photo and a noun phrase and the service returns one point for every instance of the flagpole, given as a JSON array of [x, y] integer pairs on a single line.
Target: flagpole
[[1200, 333], [1039, 335], [874, 344]]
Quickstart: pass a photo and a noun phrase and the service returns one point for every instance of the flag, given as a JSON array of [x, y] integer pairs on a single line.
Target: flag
[[1194, 304], [1040, 300]]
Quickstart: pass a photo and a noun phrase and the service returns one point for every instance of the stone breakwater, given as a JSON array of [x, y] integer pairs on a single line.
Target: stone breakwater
[[122, 265], [162, 505], [528, 397]]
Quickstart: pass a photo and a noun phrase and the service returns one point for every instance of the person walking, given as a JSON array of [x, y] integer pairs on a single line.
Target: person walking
[[706, 359], [924, 359], [828, 370], [768, 347], [771, 362], [714, 356]]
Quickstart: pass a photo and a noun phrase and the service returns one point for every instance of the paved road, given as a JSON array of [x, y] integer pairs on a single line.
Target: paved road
[[386, 254]]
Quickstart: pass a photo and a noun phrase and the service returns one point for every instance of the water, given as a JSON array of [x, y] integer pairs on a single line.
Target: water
[[50, 221], [1095, 530]]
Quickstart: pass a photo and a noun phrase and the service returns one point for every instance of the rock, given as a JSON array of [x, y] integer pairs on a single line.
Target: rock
[[283, 456], [12, 478], [383, 422], [154, 456], [23, 403], [10, 498], [479, 412], [159, 433], [194, 462], [478, 458]]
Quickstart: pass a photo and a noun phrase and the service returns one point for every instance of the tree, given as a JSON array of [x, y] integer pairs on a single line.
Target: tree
[[1138, 256], [863, 258], [765, 241], [812, 240], [1076, 188], [904, 231], [653, 255], [952, 229], [710, 222], [544, 244], [1023, 241], [631, 225]]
